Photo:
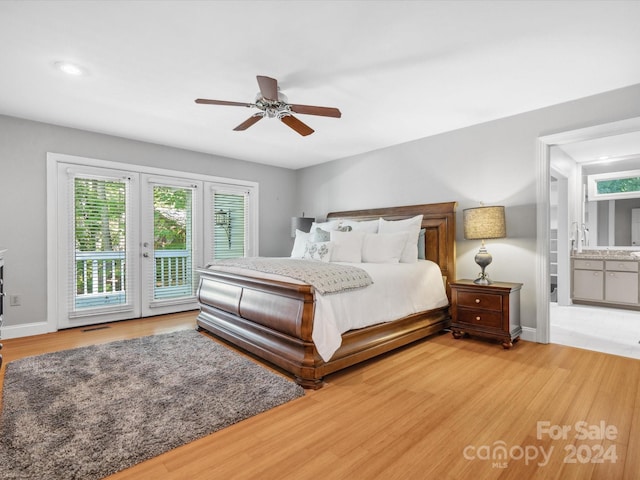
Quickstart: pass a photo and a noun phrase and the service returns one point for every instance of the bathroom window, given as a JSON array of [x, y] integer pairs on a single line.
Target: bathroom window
[[615, 185]]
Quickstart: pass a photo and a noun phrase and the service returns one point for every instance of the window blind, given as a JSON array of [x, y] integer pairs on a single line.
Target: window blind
[[230, 210], [98, 263], [173, 242]]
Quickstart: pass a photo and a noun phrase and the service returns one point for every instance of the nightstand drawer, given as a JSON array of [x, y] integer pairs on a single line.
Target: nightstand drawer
[[478, 317], [486, 301], [491, 311]]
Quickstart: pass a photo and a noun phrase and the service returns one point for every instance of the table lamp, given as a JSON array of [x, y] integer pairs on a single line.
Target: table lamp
[[483, 223], [301, 223]]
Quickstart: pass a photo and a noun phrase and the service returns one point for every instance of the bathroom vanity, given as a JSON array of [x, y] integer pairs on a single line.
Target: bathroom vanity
[[605, 277]]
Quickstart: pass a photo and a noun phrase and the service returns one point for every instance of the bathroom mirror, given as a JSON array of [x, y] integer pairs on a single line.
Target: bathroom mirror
[[612, 206]]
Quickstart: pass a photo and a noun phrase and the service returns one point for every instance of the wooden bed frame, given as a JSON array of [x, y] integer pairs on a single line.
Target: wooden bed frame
[[273, 320]]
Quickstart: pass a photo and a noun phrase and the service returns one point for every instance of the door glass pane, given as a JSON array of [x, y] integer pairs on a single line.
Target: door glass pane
[[229, 231], [99, 261], [173, 245]]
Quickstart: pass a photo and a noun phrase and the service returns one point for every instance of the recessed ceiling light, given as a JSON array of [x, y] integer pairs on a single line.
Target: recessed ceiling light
[[70, 68]]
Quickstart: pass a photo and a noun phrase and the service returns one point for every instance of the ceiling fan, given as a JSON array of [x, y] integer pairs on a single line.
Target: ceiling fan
[[274, 104]]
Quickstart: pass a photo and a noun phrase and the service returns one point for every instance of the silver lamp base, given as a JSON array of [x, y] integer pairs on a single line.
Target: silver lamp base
[[483, 259]]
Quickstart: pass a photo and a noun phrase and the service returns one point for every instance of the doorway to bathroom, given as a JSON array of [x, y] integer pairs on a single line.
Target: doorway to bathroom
[[580, 225]]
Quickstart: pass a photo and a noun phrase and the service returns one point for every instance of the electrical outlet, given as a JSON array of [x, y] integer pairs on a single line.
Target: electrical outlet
[[15, 300]]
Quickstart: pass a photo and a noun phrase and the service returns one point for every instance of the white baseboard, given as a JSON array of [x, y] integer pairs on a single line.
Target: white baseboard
[[27, 330], [529, 334]]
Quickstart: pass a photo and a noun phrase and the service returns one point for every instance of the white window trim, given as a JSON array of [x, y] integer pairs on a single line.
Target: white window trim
[[53, 159]]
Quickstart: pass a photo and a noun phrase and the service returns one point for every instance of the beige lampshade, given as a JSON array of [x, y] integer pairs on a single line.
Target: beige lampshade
[[484, 222]]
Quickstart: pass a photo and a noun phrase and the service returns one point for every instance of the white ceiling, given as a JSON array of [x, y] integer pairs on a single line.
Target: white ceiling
[[604, 148], [398, 70]]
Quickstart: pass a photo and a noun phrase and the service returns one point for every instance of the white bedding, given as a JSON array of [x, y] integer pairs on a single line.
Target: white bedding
[[398, 290]]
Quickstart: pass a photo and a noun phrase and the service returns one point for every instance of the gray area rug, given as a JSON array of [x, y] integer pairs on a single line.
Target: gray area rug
[[89, 412]]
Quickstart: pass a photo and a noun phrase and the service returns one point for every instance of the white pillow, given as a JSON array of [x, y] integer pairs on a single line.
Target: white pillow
[[318, 251], [347, 246], [383, 247], [412, 227], [300, 243], [327, 226], [369, 226]]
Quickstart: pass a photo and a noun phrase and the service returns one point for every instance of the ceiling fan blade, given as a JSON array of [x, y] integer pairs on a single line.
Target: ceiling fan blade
[[313, 110], [268, 87], [297, 125], [223, 102], [248, 122]]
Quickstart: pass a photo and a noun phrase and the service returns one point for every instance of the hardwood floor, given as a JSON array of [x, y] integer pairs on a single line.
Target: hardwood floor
[[440, 408]]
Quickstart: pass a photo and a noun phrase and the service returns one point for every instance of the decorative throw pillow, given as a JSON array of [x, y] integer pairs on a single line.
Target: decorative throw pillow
[[409, 225], [318, 251], [383, 247], [320, 235], [300, 244], [347, 246]]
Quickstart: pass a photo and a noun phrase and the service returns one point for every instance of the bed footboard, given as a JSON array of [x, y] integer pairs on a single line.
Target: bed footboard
[[271, 319], [274, 321]]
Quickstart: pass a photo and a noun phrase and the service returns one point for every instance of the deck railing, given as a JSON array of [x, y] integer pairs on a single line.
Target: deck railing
[[173, 274], [101, 277]]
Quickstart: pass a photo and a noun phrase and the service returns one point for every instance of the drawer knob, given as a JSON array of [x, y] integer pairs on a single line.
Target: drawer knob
[[477, 300], [478, 319]]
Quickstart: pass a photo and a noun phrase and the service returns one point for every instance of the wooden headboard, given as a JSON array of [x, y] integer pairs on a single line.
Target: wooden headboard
[[439, 220]]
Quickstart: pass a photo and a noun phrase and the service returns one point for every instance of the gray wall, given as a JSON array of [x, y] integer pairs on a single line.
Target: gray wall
[[23, 148], [494, 163]]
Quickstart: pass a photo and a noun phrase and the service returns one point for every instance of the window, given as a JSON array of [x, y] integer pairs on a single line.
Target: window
[[615, 185], [173, 246], [230, 222], [100, 234]]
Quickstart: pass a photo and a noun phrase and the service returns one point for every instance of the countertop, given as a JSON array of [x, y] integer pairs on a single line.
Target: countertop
[[606, 255]]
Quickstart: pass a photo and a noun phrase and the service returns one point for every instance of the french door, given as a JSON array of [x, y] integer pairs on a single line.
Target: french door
[[171, 224], [133, 241]]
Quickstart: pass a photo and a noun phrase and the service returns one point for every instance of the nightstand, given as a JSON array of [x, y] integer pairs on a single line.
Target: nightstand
[[491, 311]]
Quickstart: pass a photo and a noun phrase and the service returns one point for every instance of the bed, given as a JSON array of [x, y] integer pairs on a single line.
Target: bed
[[273, 317]]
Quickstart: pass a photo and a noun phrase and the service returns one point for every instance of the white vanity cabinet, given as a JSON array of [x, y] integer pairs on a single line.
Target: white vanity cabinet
[[588, 280], [621, 281], [605, 282]]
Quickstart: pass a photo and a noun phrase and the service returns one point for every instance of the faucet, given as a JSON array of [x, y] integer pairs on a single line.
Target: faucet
[[585, 235], [575, 235], [579, 236]]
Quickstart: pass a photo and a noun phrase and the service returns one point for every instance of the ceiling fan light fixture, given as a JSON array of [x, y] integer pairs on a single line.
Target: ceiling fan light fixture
[[272, 103]]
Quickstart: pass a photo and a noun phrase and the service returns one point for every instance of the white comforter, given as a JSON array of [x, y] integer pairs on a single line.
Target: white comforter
[[398, 290]]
